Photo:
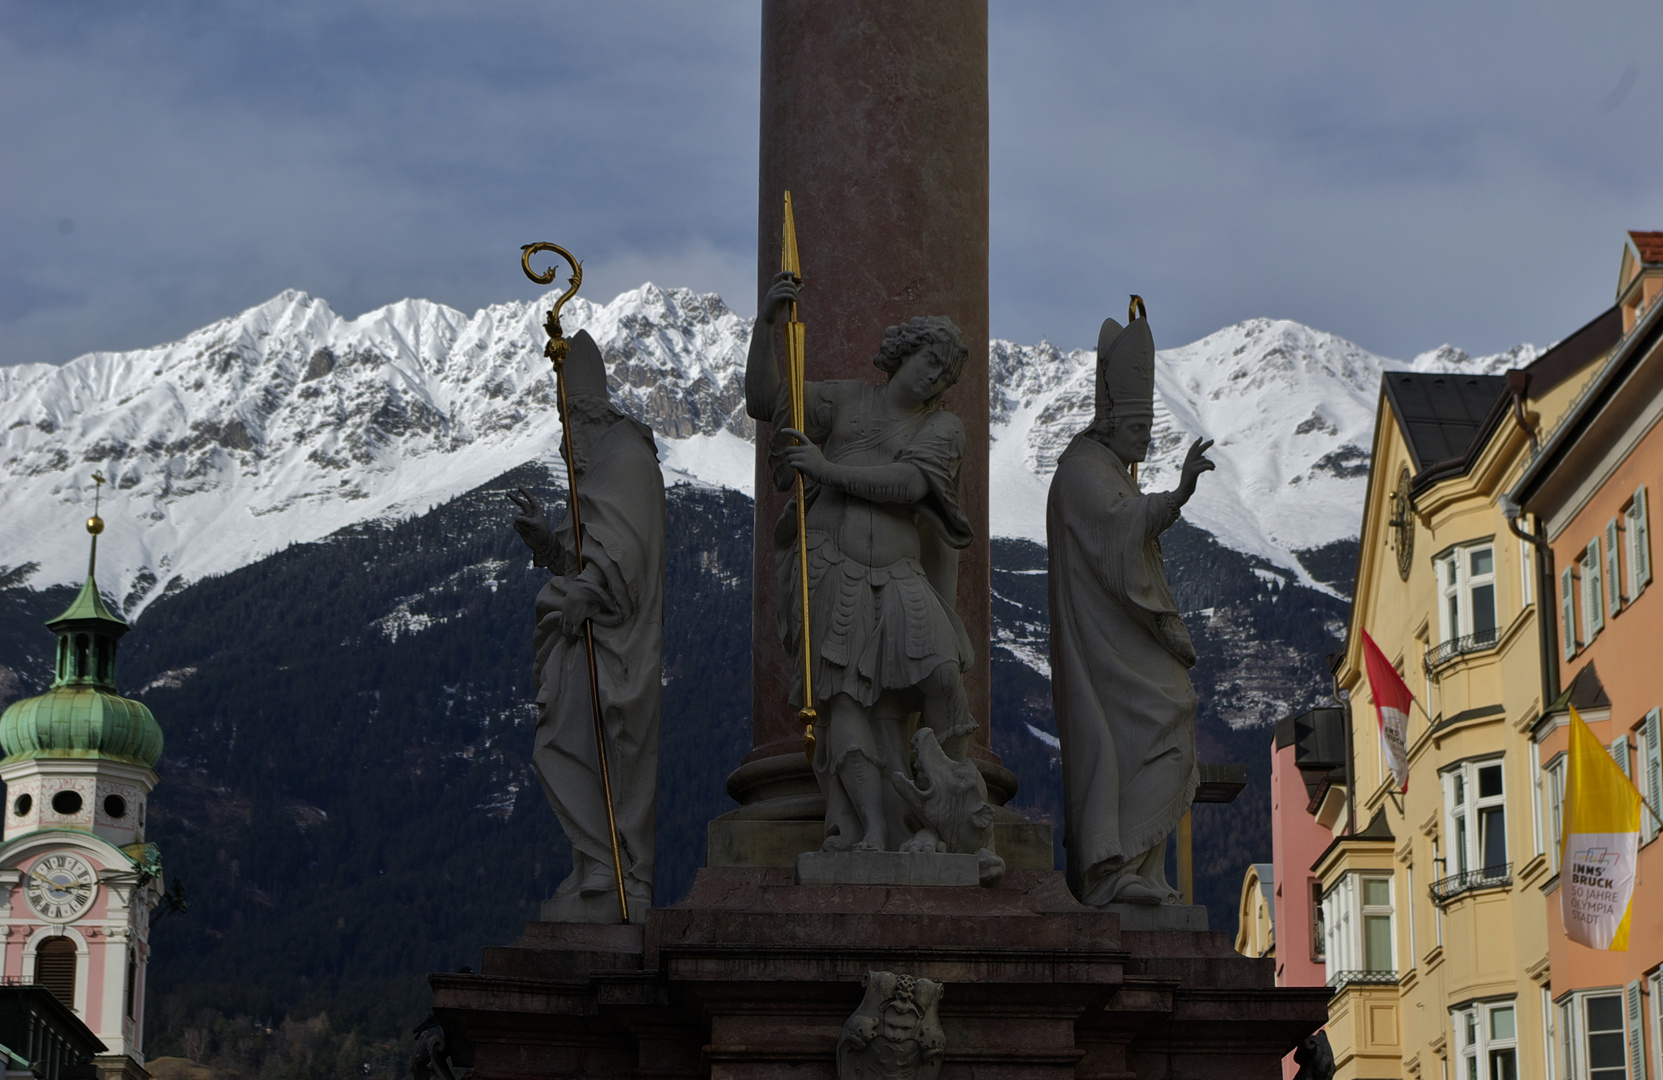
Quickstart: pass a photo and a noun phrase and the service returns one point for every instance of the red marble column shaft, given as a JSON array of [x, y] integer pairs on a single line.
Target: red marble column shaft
[[874, 116]]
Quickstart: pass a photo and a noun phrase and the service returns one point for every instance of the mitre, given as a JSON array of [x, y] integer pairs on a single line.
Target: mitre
[[1126, 370], [585, 370]]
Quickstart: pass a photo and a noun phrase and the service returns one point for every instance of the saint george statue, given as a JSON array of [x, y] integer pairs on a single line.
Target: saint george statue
[[882, 535], [1120, 655], [620, 591]]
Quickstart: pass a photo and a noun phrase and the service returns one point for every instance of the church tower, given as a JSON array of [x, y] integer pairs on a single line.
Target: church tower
[[77, 879]]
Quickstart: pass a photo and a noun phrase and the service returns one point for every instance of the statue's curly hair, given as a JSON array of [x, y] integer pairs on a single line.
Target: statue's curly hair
[[900, 342]]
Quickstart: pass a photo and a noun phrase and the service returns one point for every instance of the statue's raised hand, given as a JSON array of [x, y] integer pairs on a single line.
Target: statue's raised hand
[[805, 457], [532, 523], [780, 294], [1195, 463]]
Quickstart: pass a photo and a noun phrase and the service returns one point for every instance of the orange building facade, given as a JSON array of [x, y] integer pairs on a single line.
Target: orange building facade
[[1593, 488]]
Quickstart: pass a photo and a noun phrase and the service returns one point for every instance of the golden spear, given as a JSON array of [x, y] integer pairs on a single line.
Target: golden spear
[[794, 376], [556, 351]]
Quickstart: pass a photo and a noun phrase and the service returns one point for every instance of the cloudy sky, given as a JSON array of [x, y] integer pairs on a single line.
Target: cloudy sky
[[1401, 175]]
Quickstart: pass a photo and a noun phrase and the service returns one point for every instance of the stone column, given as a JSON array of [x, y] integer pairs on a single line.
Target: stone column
[[874, 116]]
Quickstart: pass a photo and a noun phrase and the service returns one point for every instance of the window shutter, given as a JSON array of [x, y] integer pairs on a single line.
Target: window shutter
[[1613, 594], [1593, 598], [1640, 539], [1651, 761], [1636, 1029], [1657, 1022], [55, 968], [1619, 754], [1526, 569], [1567, 614]]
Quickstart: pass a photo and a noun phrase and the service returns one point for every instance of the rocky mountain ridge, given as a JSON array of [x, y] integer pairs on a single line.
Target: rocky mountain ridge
[[287, 422]]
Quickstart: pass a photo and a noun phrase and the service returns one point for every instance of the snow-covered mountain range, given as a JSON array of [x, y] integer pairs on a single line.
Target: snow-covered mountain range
[[288, 422]]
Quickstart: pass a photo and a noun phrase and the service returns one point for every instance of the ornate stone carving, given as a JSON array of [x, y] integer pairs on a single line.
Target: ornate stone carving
[[896, 1033], [950, 798]]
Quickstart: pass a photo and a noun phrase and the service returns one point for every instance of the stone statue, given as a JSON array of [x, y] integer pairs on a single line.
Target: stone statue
[[951, 802], [883, 532], [896, 1033], [1120, 655], [621, 590]]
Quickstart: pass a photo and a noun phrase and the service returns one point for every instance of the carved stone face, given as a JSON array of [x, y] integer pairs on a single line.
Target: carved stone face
[[1129, 439], [924, 375]]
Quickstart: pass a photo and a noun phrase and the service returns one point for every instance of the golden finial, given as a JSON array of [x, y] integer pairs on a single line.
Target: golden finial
[[95, 524]]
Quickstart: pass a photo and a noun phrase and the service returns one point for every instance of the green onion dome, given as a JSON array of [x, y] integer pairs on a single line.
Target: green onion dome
[[82, 716]]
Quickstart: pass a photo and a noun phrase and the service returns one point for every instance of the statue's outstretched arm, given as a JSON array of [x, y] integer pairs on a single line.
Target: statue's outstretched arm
[[762, 368]]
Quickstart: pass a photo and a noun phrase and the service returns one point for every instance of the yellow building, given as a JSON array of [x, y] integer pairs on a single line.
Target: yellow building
[[1431, 903]]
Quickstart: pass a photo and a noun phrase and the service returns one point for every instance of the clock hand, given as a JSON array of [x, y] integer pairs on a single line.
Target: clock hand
[[55, 886]]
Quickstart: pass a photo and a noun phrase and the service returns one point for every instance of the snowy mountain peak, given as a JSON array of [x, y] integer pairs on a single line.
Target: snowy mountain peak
[[287, 422]]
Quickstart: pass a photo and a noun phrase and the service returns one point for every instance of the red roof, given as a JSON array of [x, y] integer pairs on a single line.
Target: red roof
[[1649, 245]]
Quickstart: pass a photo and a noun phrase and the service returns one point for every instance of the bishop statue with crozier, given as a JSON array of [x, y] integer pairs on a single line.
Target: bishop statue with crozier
[[883, 532], [1120, 654], [620, 591]]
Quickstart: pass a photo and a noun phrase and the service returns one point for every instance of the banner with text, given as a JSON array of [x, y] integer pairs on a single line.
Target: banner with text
[[1602, 841]]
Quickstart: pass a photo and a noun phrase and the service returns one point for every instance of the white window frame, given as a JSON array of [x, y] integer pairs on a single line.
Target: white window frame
[[1573, 1016], [1527, 567], [1657, 1022], [1345, 916], [1463, 777], [1567, 612], [1409, 912], [1479, 1045], [1538, 834], [1613, 571], [1651, 774], [1634, 1017], [1593, 594], [1553, 790], [1550, 1035], [1457, 581], [1637, 534]]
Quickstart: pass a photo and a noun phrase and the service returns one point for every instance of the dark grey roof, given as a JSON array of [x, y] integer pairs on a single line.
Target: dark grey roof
[[1440, 414]]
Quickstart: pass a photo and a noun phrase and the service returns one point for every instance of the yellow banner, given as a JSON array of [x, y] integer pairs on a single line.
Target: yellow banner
[[1601, 844]]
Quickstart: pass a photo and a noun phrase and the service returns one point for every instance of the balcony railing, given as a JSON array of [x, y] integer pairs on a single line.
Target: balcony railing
[[1491, 877], [1444, 652], [1339, 980]]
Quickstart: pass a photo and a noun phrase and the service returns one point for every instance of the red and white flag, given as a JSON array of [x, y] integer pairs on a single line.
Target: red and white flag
[[1391, 704]]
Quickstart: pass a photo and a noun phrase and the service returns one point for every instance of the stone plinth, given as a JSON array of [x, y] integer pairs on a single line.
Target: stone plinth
[[886, 868], [753, 976]]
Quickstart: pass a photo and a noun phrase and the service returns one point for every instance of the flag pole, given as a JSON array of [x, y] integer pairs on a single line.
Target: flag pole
[[795, 374]]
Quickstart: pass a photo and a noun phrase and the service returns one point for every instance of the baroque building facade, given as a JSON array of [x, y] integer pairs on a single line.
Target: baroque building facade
[[78, 880], [1425, 908]]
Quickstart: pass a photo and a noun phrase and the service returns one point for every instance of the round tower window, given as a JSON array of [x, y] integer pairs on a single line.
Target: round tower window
[[115, 806], [67, 803], [22, 804]]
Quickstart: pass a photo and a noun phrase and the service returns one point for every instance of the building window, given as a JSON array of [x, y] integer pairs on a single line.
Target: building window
[[1567, 613], [55, 968], [1487, 1041], [1467, 581], [1319, 930], [1476, 807], [1594, 1036], [1550, 1036], [1638, 536], [1357, 913], [1602, 1042], [1527, 569], [1613, 572], [1593, 594], [1553, 792], [1651, 776]]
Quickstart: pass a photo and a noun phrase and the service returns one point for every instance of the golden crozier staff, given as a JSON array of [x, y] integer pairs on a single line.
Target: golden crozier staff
[[794, 378], [556, 351]]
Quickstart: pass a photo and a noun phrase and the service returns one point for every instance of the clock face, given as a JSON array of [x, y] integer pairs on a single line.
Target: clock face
[[60, 887]]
